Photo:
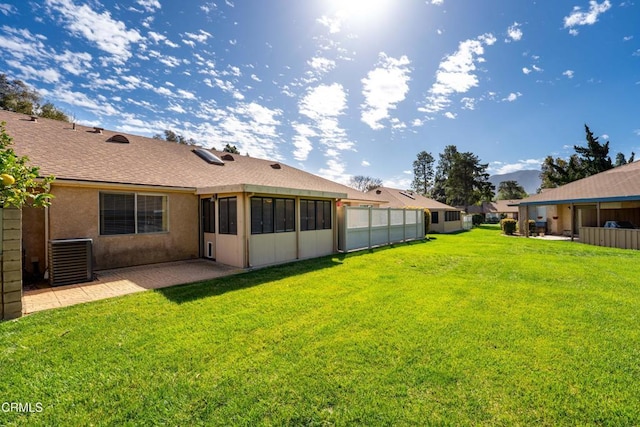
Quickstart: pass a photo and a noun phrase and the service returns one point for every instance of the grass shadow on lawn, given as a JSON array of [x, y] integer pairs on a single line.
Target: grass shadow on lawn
[[192, 291]]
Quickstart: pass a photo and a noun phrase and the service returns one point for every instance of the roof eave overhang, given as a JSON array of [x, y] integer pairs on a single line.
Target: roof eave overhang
[[266, 189], [582, 201], [107, 185]]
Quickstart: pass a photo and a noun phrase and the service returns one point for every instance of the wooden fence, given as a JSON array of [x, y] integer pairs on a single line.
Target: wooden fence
[[611, 237]]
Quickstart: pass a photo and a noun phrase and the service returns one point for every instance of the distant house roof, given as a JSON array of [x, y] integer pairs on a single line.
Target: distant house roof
[[86, 154], [500, 206], [404, 198], [615, 185]]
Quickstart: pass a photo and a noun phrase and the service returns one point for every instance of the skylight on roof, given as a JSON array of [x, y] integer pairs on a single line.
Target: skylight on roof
[[208, 156], [119, 138]]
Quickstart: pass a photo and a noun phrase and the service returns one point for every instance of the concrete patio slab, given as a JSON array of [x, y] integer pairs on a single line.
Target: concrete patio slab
[[123, 281]]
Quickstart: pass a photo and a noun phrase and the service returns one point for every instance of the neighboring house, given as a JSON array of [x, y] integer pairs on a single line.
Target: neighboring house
[[583, 207], [495, 211], [145, 201], [444, 218]]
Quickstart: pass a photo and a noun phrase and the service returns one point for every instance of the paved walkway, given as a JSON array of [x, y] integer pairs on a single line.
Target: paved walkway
[[122, 281]]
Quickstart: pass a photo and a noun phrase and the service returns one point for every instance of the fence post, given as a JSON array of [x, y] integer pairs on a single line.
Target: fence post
[[370, 223]]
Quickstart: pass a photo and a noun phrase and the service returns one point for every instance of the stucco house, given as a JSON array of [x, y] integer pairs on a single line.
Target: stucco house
[[581, 208], [142, 200], [496, 210], [444, 218]]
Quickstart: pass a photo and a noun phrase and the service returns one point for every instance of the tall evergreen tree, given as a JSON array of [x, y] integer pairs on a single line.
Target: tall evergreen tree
[[438, 192], [423, 173], [595, 156], [510, 190], [468, 181]]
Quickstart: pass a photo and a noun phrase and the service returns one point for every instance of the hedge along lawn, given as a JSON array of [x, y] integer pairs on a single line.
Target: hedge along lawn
[[466, 329]]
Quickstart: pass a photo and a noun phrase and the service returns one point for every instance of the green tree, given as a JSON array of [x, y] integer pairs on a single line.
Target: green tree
[[595, 156], [510, 190], [231, 149], [468, 181], [438, 192], [49, 111], [19, 183], [587, 161], [364, 183], [16, 96], [423, 173], [171, 136], [622, 160]]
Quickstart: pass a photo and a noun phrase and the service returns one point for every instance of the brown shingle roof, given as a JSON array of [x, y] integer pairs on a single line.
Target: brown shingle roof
[[500, 206], [85, 155], [402, 199], [617, 184]]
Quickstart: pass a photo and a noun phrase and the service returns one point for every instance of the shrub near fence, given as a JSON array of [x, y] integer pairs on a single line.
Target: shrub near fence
[[509, 226]]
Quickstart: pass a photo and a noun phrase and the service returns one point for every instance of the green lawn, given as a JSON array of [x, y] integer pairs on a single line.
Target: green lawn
[[469, 329]]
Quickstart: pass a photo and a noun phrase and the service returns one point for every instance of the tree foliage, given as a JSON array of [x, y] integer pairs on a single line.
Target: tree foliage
[[595, 156], [468, 181], [16, 96], [423, 173], [510, 190], [586, 161], [439, 192], [231, 149], [364, 183], [19, 182], [171, 136]]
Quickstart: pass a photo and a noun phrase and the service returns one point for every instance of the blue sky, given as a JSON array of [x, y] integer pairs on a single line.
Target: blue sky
[[340, 87]]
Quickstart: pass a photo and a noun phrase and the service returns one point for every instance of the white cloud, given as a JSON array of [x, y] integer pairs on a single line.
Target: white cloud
[[526, 70], [7, 9], [97, 105], [323, 105], [456, 73], [22, 43], [468, 103], [450, 115], [383, 88], [568, 73], [27, 72], [76, 63], [149, 5], [578, 17], [364, 163], [322, 65], [333, 24], [500, 168], [301, 141], [512, 96], [627, 38], [437, 2], [107, 34], [201, 36], [185, 94], [514, 32]]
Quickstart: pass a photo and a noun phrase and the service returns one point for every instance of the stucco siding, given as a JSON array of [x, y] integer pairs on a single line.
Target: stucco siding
[[75, 213], [33, 238]]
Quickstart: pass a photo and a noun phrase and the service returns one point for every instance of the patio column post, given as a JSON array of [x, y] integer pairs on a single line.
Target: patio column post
[[573, 213]]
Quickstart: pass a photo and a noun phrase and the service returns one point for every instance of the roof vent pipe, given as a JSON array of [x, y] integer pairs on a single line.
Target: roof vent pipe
[[98, 130], [34, 119]]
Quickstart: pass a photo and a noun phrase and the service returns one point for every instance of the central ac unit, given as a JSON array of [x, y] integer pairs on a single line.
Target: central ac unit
[[70, 261]]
